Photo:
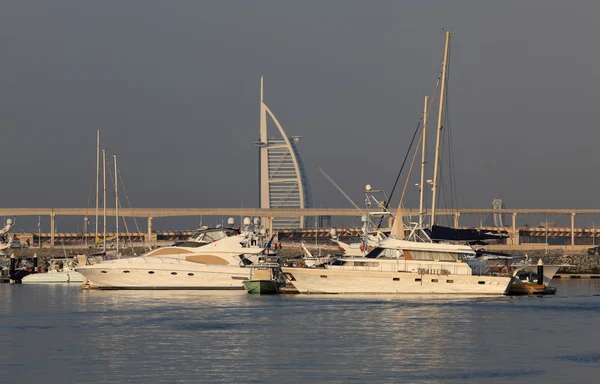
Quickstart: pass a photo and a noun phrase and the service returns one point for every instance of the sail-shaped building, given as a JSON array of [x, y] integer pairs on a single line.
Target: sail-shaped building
[[283, 182]]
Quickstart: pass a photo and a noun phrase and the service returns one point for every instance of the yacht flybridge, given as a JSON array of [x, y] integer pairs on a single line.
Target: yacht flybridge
[[213, 258]]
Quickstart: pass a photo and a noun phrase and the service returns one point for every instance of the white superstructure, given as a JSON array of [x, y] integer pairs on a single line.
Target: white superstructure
[[211, 259]]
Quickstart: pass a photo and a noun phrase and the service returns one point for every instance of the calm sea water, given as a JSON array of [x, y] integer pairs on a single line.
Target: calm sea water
[[62, 334]]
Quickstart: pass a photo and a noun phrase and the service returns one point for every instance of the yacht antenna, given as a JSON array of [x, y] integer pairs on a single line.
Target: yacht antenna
[[440, 127], [423, 162]]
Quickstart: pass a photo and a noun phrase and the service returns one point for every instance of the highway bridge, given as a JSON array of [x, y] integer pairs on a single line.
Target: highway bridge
[[512, 231]]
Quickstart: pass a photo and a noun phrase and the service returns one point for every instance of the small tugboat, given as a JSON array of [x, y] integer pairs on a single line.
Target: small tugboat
[[534, 279], [265, 278]]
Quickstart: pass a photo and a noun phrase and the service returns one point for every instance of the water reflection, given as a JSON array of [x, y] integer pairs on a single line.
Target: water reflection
[[200, 336]]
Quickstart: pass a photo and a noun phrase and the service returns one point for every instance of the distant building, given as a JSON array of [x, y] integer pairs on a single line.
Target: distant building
[[498, 217], [283, 182]]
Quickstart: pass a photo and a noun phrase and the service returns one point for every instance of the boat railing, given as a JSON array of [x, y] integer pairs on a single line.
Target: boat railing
[[263, 265]]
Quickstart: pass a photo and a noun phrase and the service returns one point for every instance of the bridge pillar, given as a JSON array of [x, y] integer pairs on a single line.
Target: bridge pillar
[[456, 216], [515, 232], [268, 223], [572, 228], [52, 229], [149, 235]]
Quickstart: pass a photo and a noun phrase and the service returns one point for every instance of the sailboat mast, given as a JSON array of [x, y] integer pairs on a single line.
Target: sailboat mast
[[423, 162], [104, 198], [116, 206], [97, 177], [440, 127]]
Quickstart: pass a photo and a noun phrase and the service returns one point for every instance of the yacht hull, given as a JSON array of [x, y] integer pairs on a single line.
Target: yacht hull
[[307, 280], [165, 276]]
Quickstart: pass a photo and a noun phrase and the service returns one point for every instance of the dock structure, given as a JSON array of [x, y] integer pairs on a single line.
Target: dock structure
[[513, 232]]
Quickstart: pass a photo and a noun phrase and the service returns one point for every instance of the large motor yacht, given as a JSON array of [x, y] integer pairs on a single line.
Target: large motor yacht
[[415, 263], [210, 259], [401, 266]]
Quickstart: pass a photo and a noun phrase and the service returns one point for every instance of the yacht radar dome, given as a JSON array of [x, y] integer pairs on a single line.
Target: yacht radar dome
[[231, 221], [368, 187], [247, 221]]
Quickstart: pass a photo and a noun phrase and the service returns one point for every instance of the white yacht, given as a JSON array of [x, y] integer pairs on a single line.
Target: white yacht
[[414, 263], [210, 259], [61, 270], [401, 266]]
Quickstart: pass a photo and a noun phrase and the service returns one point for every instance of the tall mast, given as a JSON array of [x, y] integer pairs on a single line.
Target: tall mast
[[116, 206], [440, 127], [104, 198], [423, 162], [97, 177]]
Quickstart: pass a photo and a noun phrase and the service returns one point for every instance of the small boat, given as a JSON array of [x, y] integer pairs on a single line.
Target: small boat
[[61, 270], [265, 278], [534, 279]]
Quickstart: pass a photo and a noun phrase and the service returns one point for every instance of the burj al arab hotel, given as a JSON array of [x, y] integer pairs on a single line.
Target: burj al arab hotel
[[283, 182]]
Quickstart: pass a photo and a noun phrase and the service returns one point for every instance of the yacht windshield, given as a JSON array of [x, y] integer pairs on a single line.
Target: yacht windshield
[[214, 236], [208, 236]]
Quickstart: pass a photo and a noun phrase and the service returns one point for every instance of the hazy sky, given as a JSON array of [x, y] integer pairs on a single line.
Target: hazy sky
[[174, 88]]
